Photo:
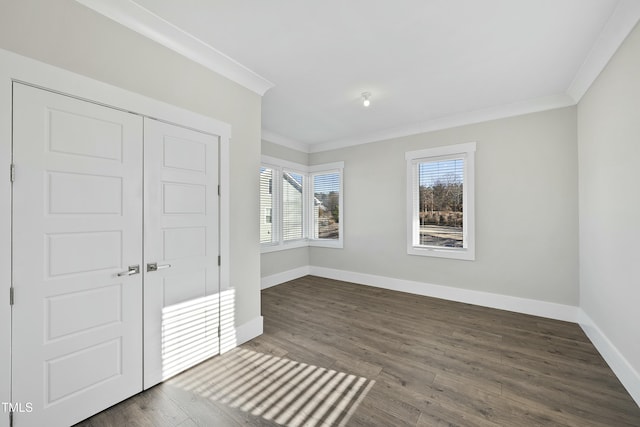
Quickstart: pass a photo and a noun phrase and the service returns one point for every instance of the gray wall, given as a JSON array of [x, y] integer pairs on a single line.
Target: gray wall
[[277, 262], [284, 153], [65, 34], [609, 164], [281, 261], [526, 209]]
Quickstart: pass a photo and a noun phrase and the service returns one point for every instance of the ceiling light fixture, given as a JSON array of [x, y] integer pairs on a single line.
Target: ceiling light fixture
[[365, 98]]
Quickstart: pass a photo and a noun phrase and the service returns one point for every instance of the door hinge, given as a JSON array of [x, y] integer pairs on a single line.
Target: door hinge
[[218, 190], [12, 172], [218, 260], [11, 295]]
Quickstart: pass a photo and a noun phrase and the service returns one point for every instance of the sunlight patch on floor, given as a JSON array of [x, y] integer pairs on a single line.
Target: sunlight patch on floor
[[287, 392]]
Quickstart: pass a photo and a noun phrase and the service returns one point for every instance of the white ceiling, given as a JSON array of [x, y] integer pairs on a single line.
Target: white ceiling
[[427, 63]]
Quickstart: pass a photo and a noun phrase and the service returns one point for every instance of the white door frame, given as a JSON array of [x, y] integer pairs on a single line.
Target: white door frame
[[15, 67]]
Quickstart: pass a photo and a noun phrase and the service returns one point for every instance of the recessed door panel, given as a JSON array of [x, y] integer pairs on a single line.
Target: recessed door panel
[[82, 369], [73, 132], [187, 287], [180, 153], [184, 198], [186, 242], [83, 252], [94, 308], [74, 193], [77, 223]]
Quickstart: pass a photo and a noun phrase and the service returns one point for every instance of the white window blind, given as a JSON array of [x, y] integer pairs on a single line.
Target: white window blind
[[266, 205], [440, 207], [326, 206], [292, 206]]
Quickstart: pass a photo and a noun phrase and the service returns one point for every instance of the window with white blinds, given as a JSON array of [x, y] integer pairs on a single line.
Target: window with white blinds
[[326, 205], [300, 205], [440, 188], [440, 202]]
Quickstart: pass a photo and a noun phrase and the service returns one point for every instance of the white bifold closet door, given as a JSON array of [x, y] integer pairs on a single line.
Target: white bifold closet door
[[105, 305]]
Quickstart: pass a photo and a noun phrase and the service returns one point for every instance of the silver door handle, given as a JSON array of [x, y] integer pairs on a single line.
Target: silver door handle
[[133, 269], [153, 266]]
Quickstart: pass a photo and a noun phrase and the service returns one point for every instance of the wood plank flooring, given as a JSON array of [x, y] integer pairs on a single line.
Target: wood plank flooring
[[335, 353]]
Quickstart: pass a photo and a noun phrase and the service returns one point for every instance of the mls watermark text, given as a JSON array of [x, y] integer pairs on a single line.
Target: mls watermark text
[[21, 407]]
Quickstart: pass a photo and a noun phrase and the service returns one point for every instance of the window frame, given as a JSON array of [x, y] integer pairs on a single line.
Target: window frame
[[465, 151], [278, 167]]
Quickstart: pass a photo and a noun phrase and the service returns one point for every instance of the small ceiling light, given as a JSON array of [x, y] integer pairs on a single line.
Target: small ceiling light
[[365, 98]]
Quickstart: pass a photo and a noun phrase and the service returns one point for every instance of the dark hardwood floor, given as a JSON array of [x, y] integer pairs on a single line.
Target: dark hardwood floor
[[335, 353]]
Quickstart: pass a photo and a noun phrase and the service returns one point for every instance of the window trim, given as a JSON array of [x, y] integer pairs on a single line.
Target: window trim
[[278, 166], [413, 158]]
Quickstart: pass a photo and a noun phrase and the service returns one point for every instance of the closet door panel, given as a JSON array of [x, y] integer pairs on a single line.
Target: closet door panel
[[181, 296], [77, 224]]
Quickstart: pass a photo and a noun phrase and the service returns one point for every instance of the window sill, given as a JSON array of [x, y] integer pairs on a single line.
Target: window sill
[[266, 248], [326, 243], [463, 254], [303, 243]]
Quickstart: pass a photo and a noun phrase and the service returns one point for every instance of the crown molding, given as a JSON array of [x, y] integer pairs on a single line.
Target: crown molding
[[275, 138], [477, 116], [150, 25], [621, 22]]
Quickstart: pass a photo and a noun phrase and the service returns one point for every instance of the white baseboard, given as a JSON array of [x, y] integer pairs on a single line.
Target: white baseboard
[[285, 276], [628, 376], [249, 330], [230, 338], [503, 302], [546, 309]]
